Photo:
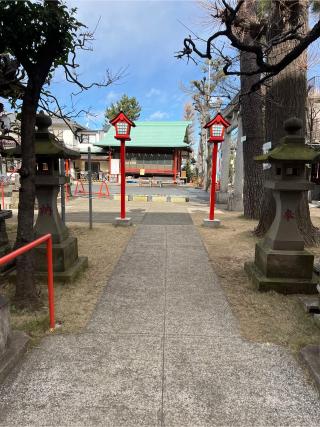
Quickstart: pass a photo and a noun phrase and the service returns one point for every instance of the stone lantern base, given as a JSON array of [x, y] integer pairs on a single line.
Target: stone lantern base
[[286, 272], [66, 263]]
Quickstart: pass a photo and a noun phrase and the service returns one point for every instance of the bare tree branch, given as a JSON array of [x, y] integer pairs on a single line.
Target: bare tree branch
[[234, 27]]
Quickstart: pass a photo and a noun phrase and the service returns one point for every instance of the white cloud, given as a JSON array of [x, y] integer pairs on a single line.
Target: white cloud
[[159, 115], [153, 92], [111, 96], [143, 33]]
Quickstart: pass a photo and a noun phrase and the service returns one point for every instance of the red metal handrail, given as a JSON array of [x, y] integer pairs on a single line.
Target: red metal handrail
[[12, 255]]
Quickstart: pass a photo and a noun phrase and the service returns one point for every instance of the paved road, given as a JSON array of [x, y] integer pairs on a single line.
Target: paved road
[[195, 194], [162, 349]]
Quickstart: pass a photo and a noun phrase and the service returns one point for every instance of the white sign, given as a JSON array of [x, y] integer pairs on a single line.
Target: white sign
[[115, 167], [243, 138]]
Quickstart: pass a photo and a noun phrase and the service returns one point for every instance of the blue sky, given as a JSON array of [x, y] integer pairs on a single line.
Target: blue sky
[[141, 36]]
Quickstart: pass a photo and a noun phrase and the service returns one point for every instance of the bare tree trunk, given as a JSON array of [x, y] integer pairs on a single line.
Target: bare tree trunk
[[27, 295], [286, 97], [252, 125], [253, 129], [209, 166]]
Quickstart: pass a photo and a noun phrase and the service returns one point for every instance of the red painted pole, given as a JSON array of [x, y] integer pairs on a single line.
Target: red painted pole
[[50, 283], [213, 180], [47, 238], [123, 178]]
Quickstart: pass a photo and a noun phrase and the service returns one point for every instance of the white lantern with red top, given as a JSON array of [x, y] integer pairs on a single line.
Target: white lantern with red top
[[123, 126], [216, 128]]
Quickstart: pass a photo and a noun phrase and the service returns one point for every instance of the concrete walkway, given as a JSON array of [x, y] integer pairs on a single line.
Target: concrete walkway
[[162, 349]]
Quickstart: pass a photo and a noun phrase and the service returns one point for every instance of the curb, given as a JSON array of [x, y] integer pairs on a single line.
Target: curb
[[152, 198]]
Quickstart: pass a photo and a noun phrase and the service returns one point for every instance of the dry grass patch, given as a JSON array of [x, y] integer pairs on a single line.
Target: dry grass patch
[[263, 317], [76, 301]]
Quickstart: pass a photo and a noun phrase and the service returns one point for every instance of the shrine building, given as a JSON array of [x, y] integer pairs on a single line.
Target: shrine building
[[155, 149]]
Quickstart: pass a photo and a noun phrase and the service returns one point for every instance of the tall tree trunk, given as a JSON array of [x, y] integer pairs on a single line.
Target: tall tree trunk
[[27, 295], [286, 97], [253, 129], [252, 124]]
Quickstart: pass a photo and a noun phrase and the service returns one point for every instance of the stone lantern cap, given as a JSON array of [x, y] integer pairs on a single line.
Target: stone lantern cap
[[292, 147], [46, 144]]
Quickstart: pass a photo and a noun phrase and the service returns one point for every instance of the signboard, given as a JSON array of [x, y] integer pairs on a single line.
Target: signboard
[[142, 171], [266, 148], [115, 167], [183, 174]]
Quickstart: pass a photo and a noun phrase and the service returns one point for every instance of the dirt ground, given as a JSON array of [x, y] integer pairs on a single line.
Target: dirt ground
[[75, 301], [263, 317]]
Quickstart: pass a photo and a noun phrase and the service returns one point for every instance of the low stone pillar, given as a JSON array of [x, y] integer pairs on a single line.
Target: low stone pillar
[[281, 262]]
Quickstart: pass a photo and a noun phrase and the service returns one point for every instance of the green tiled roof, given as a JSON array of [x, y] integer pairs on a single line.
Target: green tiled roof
[[151, 134]]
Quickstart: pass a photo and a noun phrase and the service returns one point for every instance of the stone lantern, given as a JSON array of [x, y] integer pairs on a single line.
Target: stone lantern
[[281, 262], [66, 263]]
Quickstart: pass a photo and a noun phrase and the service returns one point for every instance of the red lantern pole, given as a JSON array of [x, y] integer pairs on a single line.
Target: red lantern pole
[[216, 128], [123, 178], [213, 180]]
